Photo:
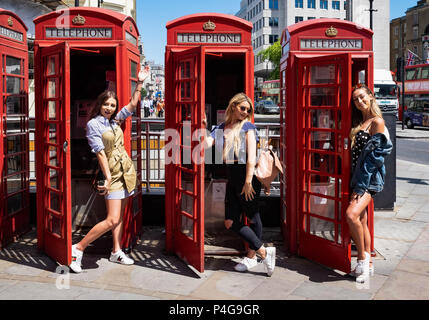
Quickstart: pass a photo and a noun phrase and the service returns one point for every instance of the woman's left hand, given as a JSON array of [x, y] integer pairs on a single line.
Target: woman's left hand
[[248, 191], [144, 73]]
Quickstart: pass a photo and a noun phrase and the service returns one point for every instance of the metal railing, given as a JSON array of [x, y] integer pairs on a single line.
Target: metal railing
[[153, 156]]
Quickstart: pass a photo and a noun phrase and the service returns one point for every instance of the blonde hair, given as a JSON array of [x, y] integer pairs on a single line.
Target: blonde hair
[[357, 117], [234, 140]]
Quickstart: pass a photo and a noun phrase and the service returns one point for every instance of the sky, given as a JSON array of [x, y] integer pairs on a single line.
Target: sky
[[153, 15]]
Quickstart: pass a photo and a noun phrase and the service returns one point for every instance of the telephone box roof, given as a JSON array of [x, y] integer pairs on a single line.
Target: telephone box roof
[[109, 15], [3, 11], [324, 22], [220, 17]]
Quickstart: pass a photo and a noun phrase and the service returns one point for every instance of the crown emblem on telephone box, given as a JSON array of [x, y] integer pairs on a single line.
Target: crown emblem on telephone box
[[10, 22], [79, 20], [331, 32], [209, 26]]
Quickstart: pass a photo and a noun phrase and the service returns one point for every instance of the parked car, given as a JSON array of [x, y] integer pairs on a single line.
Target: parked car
[[266, 106]]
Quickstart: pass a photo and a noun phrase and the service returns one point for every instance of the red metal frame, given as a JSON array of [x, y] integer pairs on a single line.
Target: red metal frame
[[125, 51], [191, 248], [296, 145], [14, 143]]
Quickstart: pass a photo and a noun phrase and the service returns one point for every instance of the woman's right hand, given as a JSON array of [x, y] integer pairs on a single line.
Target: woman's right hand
[[103, 190]]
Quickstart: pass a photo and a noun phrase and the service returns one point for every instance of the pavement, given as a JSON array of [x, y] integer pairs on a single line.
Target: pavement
[[401, 264]]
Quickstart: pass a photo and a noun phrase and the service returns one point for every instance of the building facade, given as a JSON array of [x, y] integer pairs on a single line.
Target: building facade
[[155, 84], [127, 7], [410, 32], [271, 17]]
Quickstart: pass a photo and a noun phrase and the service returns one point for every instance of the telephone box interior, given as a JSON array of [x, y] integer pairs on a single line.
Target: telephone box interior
[[327, 57], [214, 71], [89, 67]]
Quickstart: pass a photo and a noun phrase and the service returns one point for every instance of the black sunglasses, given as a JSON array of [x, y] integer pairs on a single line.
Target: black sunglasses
[[243, 108]]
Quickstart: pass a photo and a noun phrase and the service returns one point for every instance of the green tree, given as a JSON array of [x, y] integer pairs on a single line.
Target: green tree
[[273, 53]]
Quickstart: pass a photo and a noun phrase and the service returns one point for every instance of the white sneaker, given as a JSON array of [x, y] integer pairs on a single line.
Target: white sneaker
[[76, 264], [362, 269], [270, 260], [246, 264], [121, 258]]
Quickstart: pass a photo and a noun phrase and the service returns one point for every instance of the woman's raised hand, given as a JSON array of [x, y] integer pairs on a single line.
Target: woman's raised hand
[[144, 73]]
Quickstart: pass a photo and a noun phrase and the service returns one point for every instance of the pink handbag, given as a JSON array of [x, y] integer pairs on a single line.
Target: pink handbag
[[267, 168]]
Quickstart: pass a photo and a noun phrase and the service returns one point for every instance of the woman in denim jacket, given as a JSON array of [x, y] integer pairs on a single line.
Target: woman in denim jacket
[[370, 144]]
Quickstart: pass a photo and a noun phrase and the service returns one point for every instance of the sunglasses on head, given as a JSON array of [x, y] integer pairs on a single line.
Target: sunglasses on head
[[243, 108]]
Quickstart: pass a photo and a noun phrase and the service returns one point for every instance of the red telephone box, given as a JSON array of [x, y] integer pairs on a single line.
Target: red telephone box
[[209, 58], [321, 61], [14, 162], [79, 53]]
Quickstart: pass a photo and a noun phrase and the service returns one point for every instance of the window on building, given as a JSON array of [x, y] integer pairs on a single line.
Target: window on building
[[396, 30], [396, 44], [299, 19], [273, 38], [311, 4], [311, 18], [324, 4], [273, 21], [336, 5], [415, 32], [299, 3], [274, 4], [346, 4]]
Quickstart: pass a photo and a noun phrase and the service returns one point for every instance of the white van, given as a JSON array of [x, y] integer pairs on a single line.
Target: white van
[[385, 90]]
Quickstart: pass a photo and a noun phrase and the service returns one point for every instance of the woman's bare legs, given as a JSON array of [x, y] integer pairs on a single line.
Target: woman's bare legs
[[114, 218], [117, 231], [357, 221]]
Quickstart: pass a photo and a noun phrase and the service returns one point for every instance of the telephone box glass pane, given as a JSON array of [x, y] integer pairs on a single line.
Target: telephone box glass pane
[[14, 163], [53, 132], [14, 183], [322, 228], [54, 179], [133, 86], [14, 203], [187, 226], [13, 144], [54, 202], [323, 97], [322, 140], [185, 70], [56, 225], [52, 88], [13, 125], [322, 74], [324, 186], [13, 105], [13, 65], [133, 69], [52, 107], [54, 157], [322, 162], [322, 119], [13, 85], [187, 204], [51, 65], [322, 206]]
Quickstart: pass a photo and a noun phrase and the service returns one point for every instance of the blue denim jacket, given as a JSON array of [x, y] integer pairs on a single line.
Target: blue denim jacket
[[369, 173]]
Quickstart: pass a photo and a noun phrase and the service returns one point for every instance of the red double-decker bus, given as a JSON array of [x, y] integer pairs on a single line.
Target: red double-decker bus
[[416, 84], [271, 90]]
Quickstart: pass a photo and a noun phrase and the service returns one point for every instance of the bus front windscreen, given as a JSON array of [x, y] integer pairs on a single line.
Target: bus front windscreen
[[385, 91]]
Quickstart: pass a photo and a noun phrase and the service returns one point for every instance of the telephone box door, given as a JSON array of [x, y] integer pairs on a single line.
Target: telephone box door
[[53, 176], [188, 164], [323, 172]]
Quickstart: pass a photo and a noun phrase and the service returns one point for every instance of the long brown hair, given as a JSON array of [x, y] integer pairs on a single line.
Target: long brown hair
[[95, 111], [357, 116], [235, 141]]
